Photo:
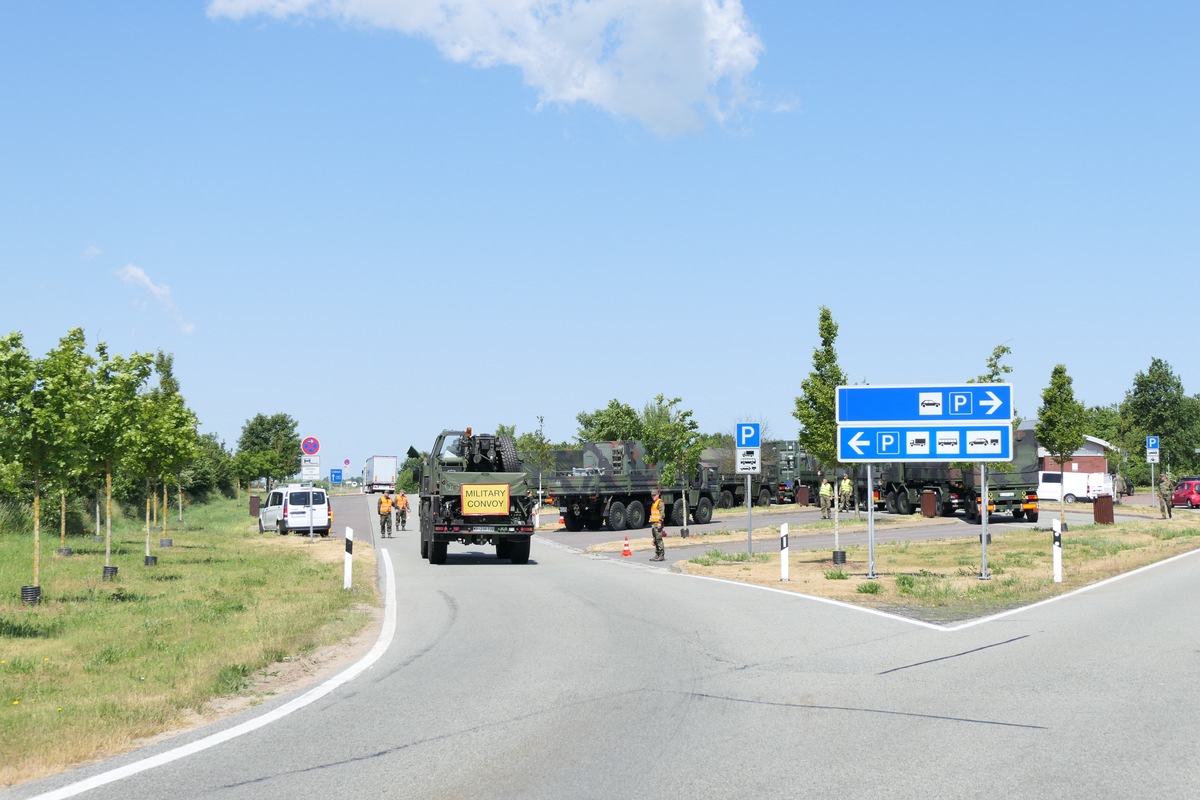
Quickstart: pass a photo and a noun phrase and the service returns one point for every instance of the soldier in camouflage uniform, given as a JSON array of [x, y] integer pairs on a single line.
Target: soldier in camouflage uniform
[[656, 528], [826, 493], [1166, 493]]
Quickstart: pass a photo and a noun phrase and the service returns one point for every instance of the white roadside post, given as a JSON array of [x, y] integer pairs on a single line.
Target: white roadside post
[[783, 552], [1056, 526], [348, 568]]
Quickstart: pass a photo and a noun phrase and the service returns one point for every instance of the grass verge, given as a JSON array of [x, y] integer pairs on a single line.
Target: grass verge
[[99, 665], [939, 580]]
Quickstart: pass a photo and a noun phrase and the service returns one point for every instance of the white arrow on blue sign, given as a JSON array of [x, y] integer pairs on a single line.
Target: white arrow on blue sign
[[335, 476], [922, 442], [958, 403], [748, 434]]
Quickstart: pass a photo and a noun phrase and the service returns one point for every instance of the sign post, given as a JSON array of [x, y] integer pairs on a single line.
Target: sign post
[[1152, 459], [749, 441], [942, 423]]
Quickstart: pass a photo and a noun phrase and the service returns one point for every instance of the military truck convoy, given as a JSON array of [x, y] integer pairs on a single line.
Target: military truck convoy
[[472, 490], [612, 484]]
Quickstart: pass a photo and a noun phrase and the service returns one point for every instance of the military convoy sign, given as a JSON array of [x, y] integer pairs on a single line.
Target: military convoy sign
[[484, 499]]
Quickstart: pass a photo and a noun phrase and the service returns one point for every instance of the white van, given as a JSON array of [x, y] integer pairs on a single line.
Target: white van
[[1072, 486], [294, 507]]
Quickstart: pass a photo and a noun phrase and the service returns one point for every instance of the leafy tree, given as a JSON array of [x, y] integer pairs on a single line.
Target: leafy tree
[[672, 442], [112, 404], [274, 446], [617, 421], [211, 470], [1156, 405], [404, 476], [43, 405], [1060, 420], [816, 407], [995, 372]]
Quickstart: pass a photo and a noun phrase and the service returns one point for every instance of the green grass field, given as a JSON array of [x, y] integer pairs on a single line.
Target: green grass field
[[99, 664]]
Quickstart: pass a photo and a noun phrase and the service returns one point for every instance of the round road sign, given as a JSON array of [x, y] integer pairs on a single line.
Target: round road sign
[[346, 462], [310, 446]]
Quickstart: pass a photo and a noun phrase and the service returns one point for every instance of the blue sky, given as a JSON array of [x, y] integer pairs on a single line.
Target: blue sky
[[384, 218]]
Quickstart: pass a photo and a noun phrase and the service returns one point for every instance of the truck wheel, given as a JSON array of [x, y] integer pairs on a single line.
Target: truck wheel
[[704, 511], [502, 548], [518, 552], [764, 498], [424, 549], [939, 506], [1018, 514], [1032, 516], [726, 498], [437, 552], [508, 454], [616, 516], [572, 522], [594, 523], [903, 506], [971, 508], [677, 509], [889, 503], [635, 515]]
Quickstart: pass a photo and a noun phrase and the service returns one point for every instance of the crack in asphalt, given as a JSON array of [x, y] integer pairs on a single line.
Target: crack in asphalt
[[954, 655]]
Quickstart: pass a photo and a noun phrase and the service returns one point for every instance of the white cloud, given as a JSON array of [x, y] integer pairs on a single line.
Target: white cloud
[[668, 63], [91, 251], [134, 275]]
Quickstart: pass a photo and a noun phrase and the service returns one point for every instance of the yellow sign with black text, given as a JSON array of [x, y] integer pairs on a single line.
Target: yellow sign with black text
[[484, 499]]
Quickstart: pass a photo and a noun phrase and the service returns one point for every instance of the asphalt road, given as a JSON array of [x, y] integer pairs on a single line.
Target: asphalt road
[[588, 677]]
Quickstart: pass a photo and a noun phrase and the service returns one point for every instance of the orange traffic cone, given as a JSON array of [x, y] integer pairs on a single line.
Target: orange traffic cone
[[627, 551], [562, 521]]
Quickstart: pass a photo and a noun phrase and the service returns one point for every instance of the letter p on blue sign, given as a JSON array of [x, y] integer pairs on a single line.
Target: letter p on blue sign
[[748, 434]]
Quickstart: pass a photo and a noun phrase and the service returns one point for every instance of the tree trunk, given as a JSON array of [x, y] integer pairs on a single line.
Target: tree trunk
[[37, 533]]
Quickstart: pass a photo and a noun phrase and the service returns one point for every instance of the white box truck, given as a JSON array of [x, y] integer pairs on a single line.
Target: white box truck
[[380, 474], [1072, 486]]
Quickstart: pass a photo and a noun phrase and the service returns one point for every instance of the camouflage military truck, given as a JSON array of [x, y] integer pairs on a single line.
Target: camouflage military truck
[[730, 487], [1010, 492], [472, 490], [613, 486]]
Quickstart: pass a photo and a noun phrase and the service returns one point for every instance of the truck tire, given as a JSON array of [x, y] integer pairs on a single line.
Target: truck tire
[[764, 498], [1018, 514], [939, 505], [635, 515], [437, 552], [726, 499], [677, 509], [572, 522], [1032, 516], [704, 511], [502, 548], [889, 502], [594, 523], [518, 552], [508, 454], [903, 506], [424, 549], [971, 509], [616, 516]]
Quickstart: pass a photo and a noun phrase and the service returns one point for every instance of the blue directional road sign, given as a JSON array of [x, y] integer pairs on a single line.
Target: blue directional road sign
[[749, 434], [335, 476], [959, 403], [914, 441]]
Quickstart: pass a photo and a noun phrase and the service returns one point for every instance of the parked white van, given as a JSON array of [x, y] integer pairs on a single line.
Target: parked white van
[[1072, 486], [293, 507]]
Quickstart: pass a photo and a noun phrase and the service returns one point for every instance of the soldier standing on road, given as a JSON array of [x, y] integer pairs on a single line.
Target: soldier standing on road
[[385, 515], [826, 497], [656, 518], [1165, 494], [402, 509], [847, 492]]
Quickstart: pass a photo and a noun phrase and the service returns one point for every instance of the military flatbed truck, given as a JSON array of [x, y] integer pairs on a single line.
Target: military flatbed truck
[[473, 491], [613, 485]]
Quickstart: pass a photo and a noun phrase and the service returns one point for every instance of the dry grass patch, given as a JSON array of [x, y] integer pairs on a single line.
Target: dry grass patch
[[939, 580]]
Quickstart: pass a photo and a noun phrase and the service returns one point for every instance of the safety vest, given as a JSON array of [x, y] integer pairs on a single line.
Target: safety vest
[[402, 503], [826, 490], [846, 487], [656, 510], [385, 505]]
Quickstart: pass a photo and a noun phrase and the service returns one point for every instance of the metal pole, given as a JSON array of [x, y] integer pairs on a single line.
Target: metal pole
[[347, 573], [783, 552], [983, 520], [1153, 485], [870, 523], [749, 519]]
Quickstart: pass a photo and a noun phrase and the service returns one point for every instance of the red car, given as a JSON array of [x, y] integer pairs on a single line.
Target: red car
[[1187, 493]]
